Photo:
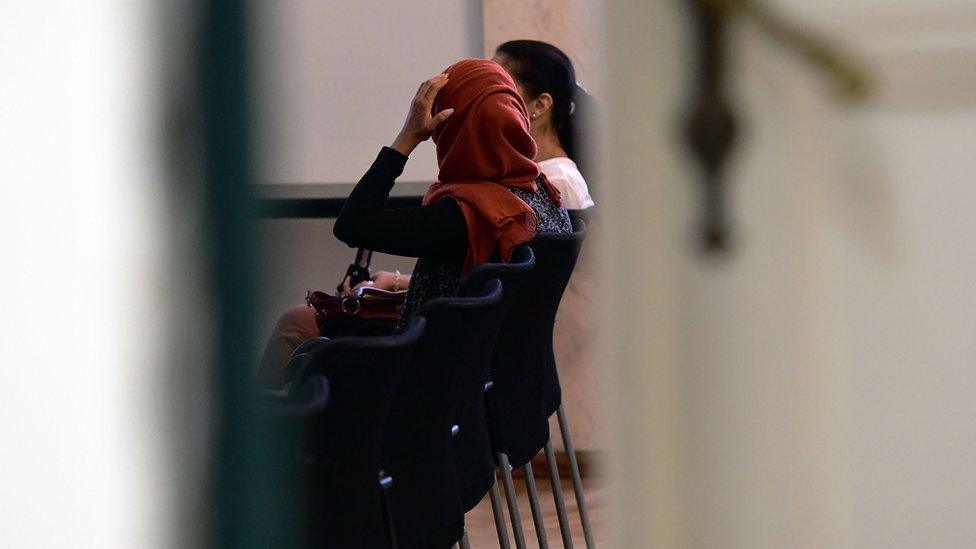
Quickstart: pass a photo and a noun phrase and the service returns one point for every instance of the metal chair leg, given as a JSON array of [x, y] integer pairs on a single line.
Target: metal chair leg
[[499, 515], [577, 481], [385, 482], [557, 496], [537, 518], [512, 499]]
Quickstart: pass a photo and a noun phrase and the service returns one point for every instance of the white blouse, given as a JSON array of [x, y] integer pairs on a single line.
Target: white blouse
[[563, 173]]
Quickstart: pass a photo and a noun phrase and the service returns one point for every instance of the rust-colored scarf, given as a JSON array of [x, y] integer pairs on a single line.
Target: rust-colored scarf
[[483, 148]]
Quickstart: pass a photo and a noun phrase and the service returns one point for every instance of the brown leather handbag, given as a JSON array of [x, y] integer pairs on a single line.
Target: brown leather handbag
[[368, 310]]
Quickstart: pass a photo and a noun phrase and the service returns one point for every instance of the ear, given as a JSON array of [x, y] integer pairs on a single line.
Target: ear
[[540, 106]]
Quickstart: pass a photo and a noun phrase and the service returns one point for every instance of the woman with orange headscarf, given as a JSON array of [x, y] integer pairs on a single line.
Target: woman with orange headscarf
[[489, 198], [490, 195]]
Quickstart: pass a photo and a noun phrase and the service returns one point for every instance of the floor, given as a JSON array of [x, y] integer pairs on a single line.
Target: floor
[[481, 525]]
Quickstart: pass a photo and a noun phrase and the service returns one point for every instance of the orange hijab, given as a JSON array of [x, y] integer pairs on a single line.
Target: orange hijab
[[483, 148]]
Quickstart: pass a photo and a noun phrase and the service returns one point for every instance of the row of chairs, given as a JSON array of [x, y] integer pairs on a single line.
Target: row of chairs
[[397, 437]]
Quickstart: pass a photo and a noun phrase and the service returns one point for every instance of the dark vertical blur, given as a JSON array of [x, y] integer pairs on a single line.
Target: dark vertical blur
[[240, 472]]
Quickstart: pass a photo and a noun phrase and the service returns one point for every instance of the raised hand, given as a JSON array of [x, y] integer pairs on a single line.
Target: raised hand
[[420, 122]]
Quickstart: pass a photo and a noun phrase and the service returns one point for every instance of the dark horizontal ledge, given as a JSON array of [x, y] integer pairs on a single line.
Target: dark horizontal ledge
[[295, 208], [322, 200]]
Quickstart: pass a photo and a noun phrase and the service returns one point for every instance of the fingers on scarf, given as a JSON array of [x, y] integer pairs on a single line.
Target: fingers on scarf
[[435, 85], [441, 116]]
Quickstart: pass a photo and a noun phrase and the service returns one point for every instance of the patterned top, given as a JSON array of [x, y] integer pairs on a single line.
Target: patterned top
[[433, 278]]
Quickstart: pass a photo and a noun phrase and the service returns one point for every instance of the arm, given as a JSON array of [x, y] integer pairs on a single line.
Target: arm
[[384, 280], [436, 230]]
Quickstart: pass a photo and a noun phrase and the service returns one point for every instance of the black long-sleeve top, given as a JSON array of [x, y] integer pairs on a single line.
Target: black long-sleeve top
[[436, 231]]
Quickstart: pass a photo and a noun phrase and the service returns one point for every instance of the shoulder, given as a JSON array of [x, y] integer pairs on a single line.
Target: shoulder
[[565, 175], [561, 168]]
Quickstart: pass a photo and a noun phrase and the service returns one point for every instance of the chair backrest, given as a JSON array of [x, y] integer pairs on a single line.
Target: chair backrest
[[525, 388], [510, 274], [334, 476], [473, 458], [584, 215], [417, 450]]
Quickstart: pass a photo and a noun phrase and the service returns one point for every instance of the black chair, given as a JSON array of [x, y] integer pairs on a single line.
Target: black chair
[[417, 452], [333, 470], [473, 457], [585, 216], [290, 423], [525, 384]]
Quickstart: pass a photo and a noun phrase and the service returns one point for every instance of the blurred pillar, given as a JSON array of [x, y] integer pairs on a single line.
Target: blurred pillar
[[727, 387], [244, 488], [641, 244]]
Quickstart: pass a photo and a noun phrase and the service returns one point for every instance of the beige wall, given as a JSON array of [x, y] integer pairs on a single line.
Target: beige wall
[[575, 26]]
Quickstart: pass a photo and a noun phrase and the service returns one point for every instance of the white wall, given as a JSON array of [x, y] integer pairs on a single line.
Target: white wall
[[910, 308], [333, 80], [901, 199], [84, 447]]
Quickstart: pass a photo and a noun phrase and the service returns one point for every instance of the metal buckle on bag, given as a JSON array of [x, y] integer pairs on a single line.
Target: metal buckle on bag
[[345, 308]]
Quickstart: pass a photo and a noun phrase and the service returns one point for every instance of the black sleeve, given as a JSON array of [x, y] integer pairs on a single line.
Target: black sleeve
[[437, 230]]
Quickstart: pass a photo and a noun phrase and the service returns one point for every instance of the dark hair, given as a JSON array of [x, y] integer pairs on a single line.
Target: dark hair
[[543, 68]]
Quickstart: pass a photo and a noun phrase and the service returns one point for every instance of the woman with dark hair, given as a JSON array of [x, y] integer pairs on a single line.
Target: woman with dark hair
[[557, 106], [490, 196]]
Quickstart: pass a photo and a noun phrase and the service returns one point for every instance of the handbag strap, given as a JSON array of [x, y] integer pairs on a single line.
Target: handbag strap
[[358, 270]]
